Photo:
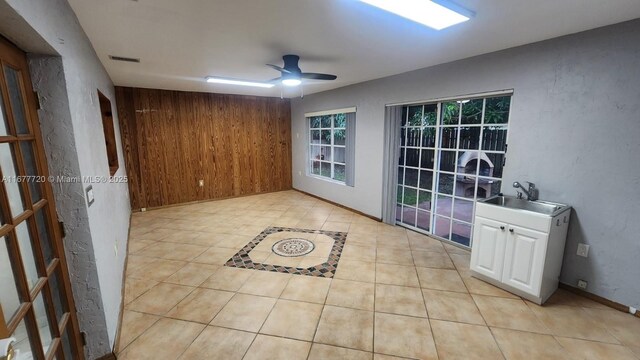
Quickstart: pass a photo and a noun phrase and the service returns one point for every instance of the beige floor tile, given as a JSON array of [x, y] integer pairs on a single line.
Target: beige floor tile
[[402, 300], [432, 259], [265, 283], [590, 350], [394, 256], [464, 341], [215, 256], [236, 242], [386, 357], [200, 306], [351, 294], [275, 348], [307, 288], [452, 306], [293, 319], [258, 256], [157, 270], [479, 287], [228, 278], [570, 321], [166, 339], [564, 297], [326, 352], [403, 336], [624, 327], [136, 262], [401, 275], [366, 240], [192, 274], [135, 246], [509, 313], [392, 241], [460, 261], [451, 249], [520, 345], [133, 325], [160, 299], [215, 343], [275, 259], [423, 242], [336, 226], [244, 312], [135, 287], [635, 350], [356, 270], [346, 327], [309, 261], [440, 279], [359, 253], [173, 251]]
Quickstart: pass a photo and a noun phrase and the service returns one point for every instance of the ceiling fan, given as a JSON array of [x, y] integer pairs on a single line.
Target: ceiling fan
[[292, 75]]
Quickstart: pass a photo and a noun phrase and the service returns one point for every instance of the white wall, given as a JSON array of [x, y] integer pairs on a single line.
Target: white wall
[[574, 131], [108, 218]]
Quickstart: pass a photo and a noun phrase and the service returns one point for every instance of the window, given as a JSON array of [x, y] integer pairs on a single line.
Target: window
[[109, 133], [331, 145], [451, 154]]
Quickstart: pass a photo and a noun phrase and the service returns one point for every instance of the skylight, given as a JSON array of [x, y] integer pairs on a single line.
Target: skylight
[[436, 14]]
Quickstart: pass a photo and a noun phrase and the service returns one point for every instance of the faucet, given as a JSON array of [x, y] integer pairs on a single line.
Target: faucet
[[532, 193]]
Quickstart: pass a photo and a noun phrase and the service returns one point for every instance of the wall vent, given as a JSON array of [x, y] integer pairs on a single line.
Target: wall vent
[[122, 58]]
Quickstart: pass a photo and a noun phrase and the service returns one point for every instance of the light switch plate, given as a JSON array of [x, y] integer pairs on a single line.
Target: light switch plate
[[90, 197]]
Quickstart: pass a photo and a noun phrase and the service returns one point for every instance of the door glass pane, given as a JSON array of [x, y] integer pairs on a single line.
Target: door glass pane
[[444, 205], [430, 115], [4, 126], [409, 215], [339, 137], [27, 254], [26, 147], [448, 138], [470, 138], [44, 236], [413, 137], [10, 172], [472, 112], [9, 295], [494, 138], [447, 161], [497, 110], [488, 188], [66, 344], [442, 227], [424, 220], [315, 167], [449, 113], [23, 344], [427, 159], [325, 169], [465, 186], [429, 137], [339, 155], [325, 137], [15, 97], [463, 210], [340, 121], [410, 197], [424, 200], [461, 233], [325, 153], [493, 165], [57, 291], [325, 121], [411, 177], [315, 136], [42, 321], [426, 180], [415, 116], [412, 157], [445, 183]]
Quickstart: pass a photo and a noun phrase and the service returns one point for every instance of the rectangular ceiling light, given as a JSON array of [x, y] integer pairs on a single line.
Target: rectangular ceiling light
[[437, 14], [219, 80]]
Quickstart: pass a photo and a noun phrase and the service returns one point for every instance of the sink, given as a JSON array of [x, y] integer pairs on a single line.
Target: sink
[[541, 207]]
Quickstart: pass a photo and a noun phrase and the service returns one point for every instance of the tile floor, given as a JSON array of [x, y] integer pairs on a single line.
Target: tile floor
[[396, 295]]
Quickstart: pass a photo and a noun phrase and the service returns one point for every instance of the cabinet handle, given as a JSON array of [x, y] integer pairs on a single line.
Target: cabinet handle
[[511, 230], [501, 227]]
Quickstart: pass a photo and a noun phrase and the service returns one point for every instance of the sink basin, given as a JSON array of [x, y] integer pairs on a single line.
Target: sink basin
[[541, 207]]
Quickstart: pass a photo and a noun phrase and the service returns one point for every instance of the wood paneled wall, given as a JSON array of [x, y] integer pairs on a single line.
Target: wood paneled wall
[[238, 145]]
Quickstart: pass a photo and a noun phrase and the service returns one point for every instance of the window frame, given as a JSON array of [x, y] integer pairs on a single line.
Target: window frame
[[319, 146]]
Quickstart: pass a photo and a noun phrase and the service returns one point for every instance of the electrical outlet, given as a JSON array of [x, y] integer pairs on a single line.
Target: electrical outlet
[[632, 310], [201, 183], [583, 250], [143, 209], [582, 284]]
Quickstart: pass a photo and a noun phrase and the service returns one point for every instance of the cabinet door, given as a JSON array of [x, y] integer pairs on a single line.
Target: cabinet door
[[487, 252], [524, 259]]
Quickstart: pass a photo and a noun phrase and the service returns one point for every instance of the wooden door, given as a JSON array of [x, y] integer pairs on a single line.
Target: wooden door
[[36, 304], [524, 259], [487, 254]]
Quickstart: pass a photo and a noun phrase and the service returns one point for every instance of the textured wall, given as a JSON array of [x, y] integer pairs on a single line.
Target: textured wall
[[574, 131], [47, 75], [102, 228]]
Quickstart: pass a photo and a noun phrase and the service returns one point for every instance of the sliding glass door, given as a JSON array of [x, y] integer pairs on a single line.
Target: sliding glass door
[[451, 154]]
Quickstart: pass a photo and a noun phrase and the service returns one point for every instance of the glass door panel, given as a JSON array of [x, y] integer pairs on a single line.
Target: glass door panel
[[35, 308], [459, 159]]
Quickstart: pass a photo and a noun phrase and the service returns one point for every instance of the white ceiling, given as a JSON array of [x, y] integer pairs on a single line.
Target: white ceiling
[[180, 42]]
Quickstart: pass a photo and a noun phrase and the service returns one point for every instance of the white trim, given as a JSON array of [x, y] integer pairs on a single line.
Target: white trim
[[457, 97], [331, 112]]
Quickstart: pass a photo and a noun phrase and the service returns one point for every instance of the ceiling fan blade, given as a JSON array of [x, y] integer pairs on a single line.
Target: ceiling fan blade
[[316, 76], [276, 67]]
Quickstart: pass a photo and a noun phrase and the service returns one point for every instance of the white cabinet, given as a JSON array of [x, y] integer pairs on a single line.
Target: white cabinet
[[520, 252]]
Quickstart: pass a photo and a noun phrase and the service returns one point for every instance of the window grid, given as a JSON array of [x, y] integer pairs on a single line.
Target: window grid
[[331, 145], [435, 170]]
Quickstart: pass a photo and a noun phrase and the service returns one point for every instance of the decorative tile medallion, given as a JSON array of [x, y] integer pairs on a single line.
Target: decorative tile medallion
[[293, 247], [327, 269]]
